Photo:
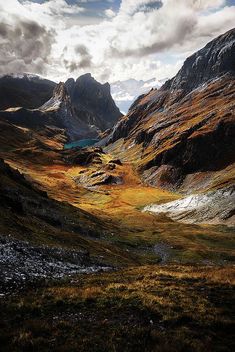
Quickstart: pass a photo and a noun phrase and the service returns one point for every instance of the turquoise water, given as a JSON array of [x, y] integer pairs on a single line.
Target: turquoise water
[[81, 143]]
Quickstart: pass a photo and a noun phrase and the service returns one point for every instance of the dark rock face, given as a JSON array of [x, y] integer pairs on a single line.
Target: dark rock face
[[115, 161], [92, 102], [28, 91], [62, 112], [215, 59], [204, 152]]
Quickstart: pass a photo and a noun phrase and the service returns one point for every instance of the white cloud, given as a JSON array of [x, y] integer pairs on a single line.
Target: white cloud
[[144, 39], [109, 13]]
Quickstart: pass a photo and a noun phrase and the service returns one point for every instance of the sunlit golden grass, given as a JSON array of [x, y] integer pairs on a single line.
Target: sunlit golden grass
[[120, 208]]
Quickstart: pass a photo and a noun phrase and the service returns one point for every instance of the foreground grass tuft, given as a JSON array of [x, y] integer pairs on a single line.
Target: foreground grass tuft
[[152, 308]]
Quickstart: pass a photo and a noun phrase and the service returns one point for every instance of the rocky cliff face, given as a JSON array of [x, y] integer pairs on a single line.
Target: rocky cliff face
[[60, 110], [214, 60], [186, 127], [92, 102]]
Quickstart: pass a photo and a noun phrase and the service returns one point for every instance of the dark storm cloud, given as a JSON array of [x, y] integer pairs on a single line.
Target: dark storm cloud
[[24, 47], [84, 59], [3, 30]]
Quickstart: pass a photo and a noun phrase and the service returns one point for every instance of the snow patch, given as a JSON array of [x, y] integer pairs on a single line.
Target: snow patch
[[214, 206]]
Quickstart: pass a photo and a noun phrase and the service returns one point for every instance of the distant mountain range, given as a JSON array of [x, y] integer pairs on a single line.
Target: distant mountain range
[[125, 92]]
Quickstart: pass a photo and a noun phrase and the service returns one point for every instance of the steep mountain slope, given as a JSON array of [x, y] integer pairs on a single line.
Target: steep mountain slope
[[182, 135], [27, 207], [28, 91]]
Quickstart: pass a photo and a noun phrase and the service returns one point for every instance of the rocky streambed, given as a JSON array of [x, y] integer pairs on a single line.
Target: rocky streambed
[[22, 262]]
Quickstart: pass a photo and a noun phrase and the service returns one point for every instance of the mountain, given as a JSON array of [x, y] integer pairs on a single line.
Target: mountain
[[62, 113], [181, 137], [83, 108], [125, 92], [112, 248], [212, 61], [92, 102], [26, 90]]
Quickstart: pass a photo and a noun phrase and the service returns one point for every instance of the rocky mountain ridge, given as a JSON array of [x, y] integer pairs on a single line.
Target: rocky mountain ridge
[[84, 108], [212, 61], [181, 137], [27, 91]]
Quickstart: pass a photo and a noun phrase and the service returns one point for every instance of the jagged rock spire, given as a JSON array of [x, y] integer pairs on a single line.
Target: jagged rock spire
[[60, 92]]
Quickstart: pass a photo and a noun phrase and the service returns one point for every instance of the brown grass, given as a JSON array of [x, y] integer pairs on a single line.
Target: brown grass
[[151, 308]]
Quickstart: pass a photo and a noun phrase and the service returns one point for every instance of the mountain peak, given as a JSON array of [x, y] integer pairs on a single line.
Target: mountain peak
[[92, 100], [59, 97], [83, 107], [85, 77], [88, 79], [212, 61], [60, 92]]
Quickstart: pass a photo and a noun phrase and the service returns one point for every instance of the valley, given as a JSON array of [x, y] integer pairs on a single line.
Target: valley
[[117, 232], [120, 207]]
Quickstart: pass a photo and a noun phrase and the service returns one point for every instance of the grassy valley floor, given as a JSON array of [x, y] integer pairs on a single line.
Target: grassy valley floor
[[172, 289], [127, 227]]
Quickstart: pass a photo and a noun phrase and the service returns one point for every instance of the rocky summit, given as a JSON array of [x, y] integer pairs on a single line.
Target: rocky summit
[[212, 61], [93, 101]]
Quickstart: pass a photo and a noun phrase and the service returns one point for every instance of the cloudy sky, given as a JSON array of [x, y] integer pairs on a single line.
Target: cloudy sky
[[112, 39]]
